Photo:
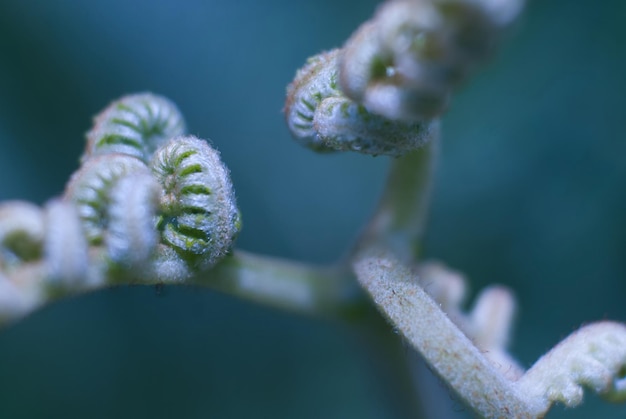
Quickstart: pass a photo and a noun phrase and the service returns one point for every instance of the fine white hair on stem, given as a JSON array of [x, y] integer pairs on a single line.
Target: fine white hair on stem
[[397, 293], [594, 356]]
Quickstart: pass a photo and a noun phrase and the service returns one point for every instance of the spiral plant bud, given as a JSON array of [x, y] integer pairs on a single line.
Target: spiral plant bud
[[146, 205], [90, 188], [405, 62], [135, 125], [198, 215], [320, 117]]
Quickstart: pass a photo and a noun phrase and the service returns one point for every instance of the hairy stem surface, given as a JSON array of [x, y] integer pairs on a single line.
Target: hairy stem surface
[[325, 291], [401, 214], [429, 330]]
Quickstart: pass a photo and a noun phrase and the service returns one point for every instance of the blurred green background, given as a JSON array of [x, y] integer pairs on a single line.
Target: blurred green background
[[528, 193]]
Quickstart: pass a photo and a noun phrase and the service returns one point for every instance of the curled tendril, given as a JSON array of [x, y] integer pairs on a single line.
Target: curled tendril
[[90, 187], [198, 216], [320, 117], [135, 125], [21, 233], [405, 62]]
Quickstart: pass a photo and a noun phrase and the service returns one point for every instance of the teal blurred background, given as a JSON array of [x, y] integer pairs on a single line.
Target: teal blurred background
[[528, 193]]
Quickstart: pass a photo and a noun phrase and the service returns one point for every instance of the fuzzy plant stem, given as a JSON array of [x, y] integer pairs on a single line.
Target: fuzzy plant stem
[[448, 351], [383, 263], [401, 214], [291, 286], [324, 292], [389, 245]]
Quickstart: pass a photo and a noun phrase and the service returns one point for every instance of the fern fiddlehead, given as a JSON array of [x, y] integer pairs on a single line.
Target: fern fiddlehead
[[90, 187], [198, 217], [406, 61], [146, 205], [322, 118], [135, 125]]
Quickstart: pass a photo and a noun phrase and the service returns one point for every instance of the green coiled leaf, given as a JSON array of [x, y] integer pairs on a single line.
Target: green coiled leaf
[[135, 125], [198, 214]]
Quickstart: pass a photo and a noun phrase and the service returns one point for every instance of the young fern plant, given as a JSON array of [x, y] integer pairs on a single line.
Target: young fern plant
[[395, 75], [151, 204], [147, 204]]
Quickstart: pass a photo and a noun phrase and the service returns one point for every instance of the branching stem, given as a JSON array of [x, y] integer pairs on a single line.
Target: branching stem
[[293, 286], [429, 330]]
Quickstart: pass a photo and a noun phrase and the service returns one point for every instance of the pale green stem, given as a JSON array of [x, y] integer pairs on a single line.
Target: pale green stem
[[400, 217], [398, 225], [325, 291], [447, 350], [329, 292], [388, 247]]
